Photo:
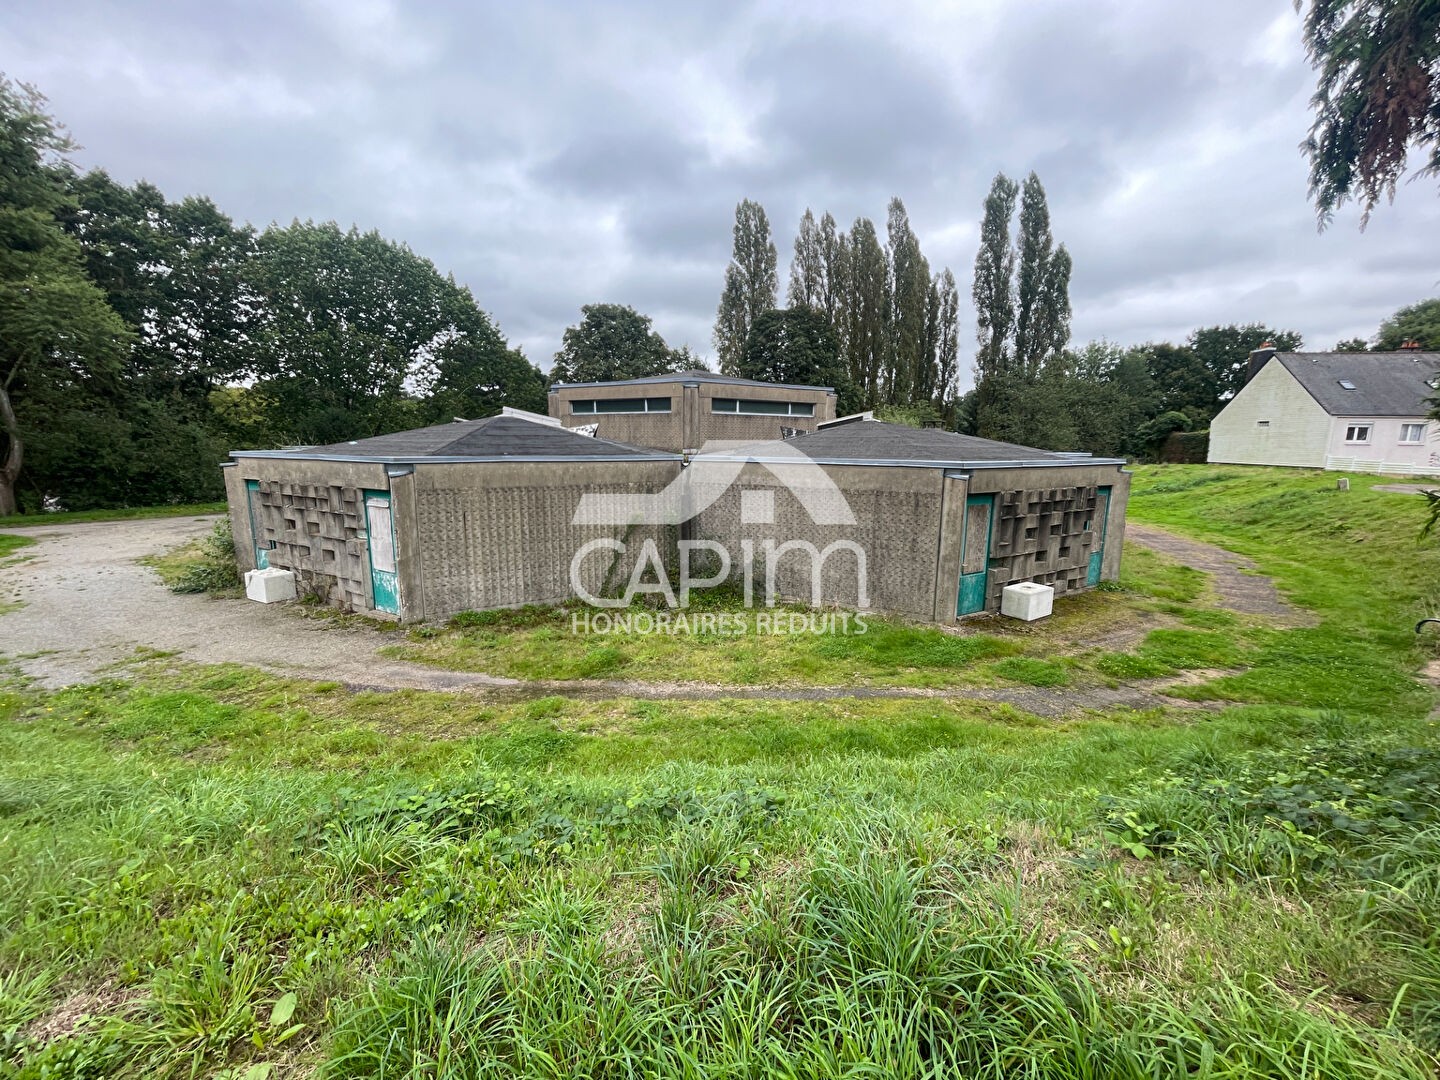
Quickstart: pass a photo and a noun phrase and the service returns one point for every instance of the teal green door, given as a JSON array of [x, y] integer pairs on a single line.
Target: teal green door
[[380, 535], [975, 554], [1101, 520], [262, 554]]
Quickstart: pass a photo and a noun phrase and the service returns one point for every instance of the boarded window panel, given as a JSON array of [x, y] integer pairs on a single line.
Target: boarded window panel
[[382, 536], [977, 536]]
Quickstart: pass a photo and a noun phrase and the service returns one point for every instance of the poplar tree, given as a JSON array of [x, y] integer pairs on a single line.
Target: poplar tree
[[1032, 305], [994, 274], [947, 339], [835, 260], [807, 267], [751, 282], [867, 310], [908, 360]]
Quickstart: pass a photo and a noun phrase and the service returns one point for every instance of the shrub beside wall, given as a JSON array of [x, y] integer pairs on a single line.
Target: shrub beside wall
[[1186, 448]]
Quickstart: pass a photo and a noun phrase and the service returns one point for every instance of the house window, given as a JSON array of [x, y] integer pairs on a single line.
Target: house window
[[1412, 433], [620, 405], [1357, 433], [761, 408], [1346, 384]]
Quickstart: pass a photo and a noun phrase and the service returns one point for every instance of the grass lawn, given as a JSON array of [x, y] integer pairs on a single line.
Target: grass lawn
[[214, 872], [121, 514], [10, 544], [1070, 647]]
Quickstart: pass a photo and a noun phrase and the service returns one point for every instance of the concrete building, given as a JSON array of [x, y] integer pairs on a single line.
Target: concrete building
[[424, 524], [683, 411], [944, 521], [1359, 412], [861, 514]]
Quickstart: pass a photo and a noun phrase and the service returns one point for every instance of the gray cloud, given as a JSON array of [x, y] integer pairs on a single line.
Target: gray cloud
[[552, 155]]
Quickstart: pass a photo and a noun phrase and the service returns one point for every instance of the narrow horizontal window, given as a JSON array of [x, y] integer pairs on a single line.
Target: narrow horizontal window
[[620, 405], [1346, 384], [1262, 423], [747, 407]]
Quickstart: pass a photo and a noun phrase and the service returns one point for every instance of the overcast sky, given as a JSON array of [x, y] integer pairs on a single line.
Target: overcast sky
[[552, 155]]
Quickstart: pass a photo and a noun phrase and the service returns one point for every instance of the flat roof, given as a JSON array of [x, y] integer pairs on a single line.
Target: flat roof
[[876, 442], [694, 375], [495, 438]]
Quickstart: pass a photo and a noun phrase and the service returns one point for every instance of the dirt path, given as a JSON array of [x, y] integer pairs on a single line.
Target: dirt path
[[89, 605], [1232, 576]]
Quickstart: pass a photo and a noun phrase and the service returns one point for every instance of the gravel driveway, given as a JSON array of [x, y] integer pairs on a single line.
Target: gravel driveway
[[88, 604]]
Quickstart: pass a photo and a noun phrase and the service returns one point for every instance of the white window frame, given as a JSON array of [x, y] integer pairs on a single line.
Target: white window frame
[[647, 405], [1419, 434], [1356, 425], [805, 409]]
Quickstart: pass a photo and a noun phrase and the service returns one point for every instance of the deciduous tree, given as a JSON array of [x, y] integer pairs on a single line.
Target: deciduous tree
[[1417, 322], [59, 332], [611, 341], [1225, 352], [797, 345]]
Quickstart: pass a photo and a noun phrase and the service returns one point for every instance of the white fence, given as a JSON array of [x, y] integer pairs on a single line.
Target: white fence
[[1370, 465]]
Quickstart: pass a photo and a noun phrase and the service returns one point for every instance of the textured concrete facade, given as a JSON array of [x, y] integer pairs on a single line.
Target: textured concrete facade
[[309, 517], [1047, 524], [468, 535], [500, 535], [897, 515], [910, 523], [692, 420], [841, 517]]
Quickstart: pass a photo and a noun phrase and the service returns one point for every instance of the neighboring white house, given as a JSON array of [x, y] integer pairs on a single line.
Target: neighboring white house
[[1360, 412]]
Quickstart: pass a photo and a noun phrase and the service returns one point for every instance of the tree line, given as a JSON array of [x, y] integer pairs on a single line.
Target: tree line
[[143, 338]]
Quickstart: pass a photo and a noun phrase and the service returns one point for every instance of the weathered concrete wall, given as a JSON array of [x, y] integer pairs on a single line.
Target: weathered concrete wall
[[312, 514], [500, 535], [707, 424], [1045, 526], [910, 522], [690, 423], [897, 514], [661, 431]]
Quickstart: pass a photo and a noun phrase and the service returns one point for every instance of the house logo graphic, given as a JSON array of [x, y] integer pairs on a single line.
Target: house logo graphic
[[711, 473]]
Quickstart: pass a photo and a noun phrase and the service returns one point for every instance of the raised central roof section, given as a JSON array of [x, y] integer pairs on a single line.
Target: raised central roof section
[[876, 442], [495, 438], [696, 375]]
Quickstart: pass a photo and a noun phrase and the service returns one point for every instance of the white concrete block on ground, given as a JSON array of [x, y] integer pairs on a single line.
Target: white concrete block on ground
[[1027, 600], [269, 586]]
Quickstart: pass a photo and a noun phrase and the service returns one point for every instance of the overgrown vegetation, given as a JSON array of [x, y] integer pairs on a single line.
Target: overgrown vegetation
[[224, 870], [206, 565]]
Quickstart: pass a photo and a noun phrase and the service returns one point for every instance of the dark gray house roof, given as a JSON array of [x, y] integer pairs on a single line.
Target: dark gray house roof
[[695, 375], [1386, 384], [875, 442], [495, 438]]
